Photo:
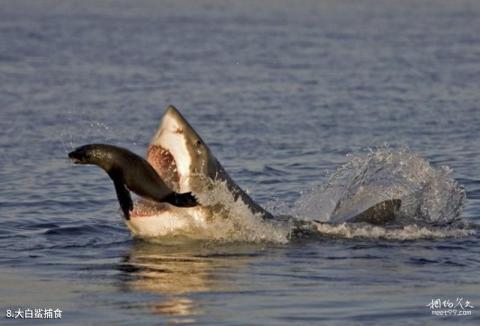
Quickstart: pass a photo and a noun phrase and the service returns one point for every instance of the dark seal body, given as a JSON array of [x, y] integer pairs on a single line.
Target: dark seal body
[[129, 172]]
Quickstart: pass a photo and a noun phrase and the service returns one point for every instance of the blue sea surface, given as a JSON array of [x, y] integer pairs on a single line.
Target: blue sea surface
[[281, 91]]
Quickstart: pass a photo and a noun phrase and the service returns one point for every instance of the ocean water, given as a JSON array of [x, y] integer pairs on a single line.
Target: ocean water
[[297, 100]]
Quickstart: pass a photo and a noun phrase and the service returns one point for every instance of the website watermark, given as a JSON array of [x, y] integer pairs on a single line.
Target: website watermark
[[33, 313], [447, 307]]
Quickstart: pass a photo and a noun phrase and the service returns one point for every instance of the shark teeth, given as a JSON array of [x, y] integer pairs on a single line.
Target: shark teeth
[[164, 163]]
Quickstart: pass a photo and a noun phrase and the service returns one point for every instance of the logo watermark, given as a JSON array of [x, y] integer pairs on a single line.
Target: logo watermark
[[35, 313], [447, 307]]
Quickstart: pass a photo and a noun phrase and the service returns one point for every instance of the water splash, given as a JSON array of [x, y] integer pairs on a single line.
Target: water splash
[[429, 195], [432, 203], [221, 217], [233, 220], [81, 128]]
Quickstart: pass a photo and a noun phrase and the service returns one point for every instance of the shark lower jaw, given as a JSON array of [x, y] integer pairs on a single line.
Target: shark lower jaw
[[166, 219], [152, 219]]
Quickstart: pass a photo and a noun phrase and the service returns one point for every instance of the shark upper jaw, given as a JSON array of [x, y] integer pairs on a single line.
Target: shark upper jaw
[[179, 155], [173, 153], [168, 151]]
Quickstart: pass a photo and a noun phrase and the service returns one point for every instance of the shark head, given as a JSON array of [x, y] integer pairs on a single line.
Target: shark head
[[180, 156], [186, 164]]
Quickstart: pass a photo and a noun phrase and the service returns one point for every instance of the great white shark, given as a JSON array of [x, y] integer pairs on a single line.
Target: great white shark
[[187, 167]]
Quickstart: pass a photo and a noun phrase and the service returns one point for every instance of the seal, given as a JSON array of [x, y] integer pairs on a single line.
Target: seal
[[130, 172]]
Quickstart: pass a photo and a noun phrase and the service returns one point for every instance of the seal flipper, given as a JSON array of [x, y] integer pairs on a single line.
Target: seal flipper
[[123, 195], [181, 200], [124, 198], [380, 214]]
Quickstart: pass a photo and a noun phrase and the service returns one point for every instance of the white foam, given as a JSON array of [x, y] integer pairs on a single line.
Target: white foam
[[408, 232]]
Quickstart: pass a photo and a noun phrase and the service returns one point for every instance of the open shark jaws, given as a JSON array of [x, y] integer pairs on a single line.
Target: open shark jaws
[[186, 164]]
